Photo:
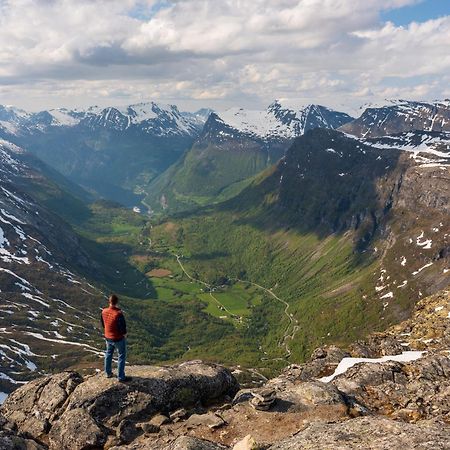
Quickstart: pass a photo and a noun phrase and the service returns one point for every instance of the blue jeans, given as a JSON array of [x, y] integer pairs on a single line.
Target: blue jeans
[[121, 347]]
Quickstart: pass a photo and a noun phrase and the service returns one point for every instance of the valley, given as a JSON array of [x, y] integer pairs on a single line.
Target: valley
[[333, 237]]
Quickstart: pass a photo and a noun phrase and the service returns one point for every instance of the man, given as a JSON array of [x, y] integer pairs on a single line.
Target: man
[[113, 322]]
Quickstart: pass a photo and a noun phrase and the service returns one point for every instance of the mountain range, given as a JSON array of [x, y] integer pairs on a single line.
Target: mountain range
[[112, 153], [271, 232], [235, 145]]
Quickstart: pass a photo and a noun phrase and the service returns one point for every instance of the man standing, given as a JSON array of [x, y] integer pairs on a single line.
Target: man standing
[[113, 322]]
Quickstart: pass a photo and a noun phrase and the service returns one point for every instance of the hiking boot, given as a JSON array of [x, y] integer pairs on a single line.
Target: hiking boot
[[124, 380], [109, 375]]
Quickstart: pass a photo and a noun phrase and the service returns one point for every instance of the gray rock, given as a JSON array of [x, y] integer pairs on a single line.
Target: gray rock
[[76, 430], [10, 441], [77, 413], [192, 443], [150, 428], [263, 398], [408, 391], [159, 420], [368, 433], [301, 396], [178, 414], [210, 420], [317, 393], [34, 407], [126, 431], [152, 390]]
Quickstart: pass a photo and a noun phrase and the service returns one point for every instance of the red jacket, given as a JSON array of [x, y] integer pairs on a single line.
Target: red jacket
[[113, 323]]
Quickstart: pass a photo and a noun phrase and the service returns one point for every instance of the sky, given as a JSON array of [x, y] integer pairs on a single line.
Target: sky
[[221, 54]]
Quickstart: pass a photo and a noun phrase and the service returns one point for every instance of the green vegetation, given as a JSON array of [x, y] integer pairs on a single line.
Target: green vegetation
[[206, 175], [320, 278], [265, 276]]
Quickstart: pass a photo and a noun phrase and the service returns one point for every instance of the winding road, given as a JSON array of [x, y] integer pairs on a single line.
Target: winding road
[[288, 335], [207, 286], [292, 322]]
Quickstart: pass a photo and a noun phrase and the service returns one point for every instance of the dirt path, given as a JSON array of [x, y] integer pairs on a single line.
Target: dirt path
[[292, 322], [232, 316], [292, 327]]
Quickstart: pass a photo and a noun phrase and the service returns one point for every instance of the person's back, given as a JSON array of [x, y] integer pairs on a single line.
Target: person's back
[[115, 330], [113, 323]]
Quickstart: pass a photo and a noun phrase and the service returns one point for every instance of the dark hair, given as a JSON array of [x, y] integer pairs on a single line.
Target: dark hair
[[113, 299]]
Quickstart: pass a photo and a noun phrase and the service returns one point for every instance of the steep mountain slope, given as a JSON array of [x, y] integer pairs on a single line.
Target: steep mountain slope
[[233, 146], [111, 152], [346, 234], [48, 309], [401, 116], [384, 393], [47, 313]]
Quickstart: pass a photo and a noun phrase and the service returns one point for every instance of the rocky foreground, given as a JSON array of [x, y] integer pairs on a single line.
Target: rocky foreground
[[390, 392]]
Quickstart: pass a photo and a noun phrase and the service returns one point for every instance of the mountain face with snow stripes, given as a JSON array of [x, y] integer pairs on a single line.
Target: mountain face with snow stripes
[[234, 145], [400, 116], [46, 311]]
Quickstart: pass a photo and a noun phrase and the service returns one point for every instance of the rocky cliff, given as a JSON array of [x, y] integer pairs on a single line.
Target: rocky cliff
[[389, 392]]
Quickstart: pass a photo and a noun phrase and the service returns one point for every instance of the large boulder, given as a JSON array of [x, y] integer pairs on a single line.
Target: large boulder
[[408, 391], [369, 433], [35, 406], [77, 430], [10, 440], [152, 390], [70, 413]]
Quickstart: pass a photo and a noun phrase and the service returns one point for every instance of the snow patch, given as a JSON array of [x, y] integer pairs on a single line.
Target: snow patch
[[347, 363]]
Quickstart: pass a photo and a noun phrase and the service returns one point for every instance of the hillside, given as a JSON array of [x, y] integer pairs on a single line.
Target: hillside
[[47, 311], [387, 392], [348, 234], [234, 146], [401, 116], [111, 152]]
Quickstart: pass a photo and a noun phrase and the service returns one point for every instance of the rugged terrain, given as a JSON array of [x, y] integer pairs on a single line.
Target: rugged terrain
[[342, 236], [112, 152], [46, 311], [401, 116], [234, 146], [387, 392]]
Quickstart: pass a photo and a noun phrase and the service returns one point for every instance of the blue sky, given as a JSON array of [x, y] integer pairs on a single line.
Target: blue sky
[[420, 12]]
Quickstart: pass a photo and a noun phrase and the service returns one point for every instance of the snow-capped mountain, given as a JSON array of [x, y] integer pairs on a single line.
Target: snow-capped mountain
[[46, 311], [152, 118], [425, 147], [112, 152], [234, 145], [399, 116], [279, 121]]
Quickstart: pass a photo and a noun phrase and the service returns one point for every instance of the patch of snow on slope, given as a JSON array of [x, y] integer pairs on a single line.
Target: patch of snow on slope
[[259, 123], [422, 268], [347, 363], [62, 117]]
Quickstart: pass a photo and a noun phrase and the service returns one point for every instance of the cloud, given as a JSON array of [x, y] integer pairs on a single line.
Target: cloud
[[221, 52]]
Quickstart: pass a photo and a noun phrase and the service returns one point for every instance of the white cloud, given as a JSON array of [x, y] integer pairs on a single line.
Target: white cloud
[[225, 52]]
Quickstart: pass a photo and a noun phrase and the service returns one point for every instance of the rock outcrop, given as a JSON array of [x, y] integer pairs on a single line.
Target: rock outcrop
[[65, 411], [370, 396], [368, 433]]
